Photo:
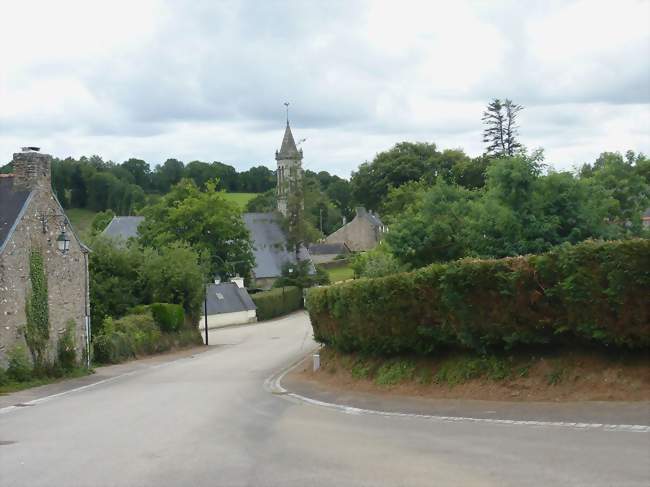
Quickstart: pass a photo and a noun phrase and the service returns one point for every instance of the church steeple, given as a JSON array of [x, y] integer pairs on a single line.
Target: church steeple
[[289, 172]]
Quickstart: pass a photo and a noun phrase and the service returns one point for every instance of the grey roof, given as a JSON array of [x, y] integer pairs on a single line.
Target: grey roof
[[646, 214], [373, 218], [288, 150], [12, 204], [123, 227], [270, 245], [227, 297], [329, 248]]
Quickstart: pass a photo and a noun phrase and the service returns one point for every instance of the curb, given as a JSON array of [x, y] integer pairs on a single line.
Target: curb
[[273, 384]]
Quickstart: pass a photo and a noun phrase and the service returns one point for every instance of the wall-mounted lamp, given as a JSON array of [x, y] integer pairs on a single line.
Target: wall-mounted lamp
[[62, 241]]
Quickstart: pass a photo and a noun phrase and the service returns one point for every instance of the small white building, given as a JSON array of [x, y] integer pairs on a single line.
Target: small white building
[[228, 303]]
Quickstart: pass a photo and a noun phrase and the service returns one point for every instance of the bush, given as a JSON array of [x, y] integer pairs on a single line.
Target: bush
[[20, 368], [66, 348], [594, 292], [168, 317], [277, 302], [135, 335]]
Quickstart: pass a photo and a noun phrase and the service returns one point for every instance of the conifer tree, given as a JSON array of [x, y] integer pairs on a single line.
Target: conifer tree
[[501, 131]]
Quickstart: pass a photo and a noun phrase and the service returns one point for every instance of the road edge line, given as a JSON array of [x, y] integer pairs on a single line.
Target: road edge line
[[273, 384]]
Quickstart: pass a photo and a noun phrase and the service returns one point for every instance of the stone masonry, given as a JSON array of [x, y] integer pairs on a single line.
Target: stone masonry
[[67, 274]]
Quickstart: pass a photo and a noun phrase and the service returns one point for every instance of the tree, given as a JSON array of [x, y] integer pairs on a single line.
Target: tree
[[173, 275], [140, 171], [263, 203], [302, 275], [405, 162], [501, 129], [168, 174], [206, 221]]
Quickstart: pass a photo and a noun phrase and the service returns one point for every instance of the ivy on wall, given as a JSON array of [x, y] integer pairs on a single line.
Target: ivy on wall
[[37, 331]]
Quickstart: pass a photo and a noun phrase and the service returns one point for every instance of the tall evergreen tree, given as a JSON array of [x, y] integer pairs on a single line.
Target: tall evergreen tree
[[501, 131]]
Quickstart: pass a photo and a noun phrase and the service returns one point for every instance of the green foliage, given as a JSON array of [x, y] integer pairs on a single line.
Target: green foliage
[[519, 211], [375, 263], [136, 335], [168, 317], [277, 302], [395, 371], [173, 274], [460, 369], [19, 367], [594, 292], [263, 203], [301, 275], [206, 221], [101, 221], [66, 348], [37, 330], [500, 119], [115, 284]]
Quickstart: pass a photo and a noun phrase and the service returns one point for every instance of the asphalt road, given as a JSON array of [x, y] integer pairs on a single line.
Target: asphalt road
[[208, 421]]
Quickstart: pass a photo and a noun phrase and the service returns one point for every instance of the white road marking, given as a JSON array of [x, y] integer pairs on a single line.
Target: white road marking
[[274, 384]]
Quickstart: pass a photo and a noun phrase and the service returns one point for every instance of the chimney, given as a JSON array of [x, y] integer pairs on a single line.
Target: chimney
[[238, 280], [32, 169]]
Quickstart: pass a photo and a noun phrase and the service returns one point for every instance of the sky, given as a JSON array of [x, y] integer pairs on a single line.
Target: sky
[[207, 80]]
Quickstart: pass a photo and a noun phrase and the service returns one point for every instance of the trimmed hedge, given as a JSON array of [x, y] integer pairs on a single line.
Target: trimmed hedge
[[593, 292], [277, 302]]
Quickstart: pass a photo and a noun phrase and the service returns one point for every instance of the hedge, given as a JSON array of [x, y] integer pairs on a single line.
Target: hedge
[[135, 335], [277, 302], [593, 292]]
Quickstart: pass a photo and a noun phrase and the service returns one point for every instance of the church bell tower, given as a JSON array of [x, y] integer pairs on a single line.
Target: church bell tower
[[289, 172]]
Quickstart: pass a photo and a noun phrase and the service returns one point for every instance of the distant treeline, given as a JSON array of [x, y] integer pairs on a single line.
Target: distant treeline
[[96, 184]]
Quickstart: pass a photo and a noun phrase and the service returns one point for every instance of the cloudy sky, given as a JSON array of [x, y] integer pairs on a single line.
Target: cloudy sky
[[207, 80]]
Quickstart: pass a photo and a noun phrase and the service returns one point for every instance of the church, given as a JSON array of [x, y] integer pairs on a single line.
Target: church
[[269, 239]]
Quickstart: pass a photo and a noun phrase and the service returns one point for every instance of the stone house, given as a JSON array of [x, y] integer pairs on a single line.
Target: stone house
[[364, 232], [32, 219]]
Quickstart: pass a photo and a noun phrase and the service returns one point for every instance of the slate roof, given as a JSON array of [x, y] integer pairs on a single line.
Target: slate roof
[[329, 249], [12, 204], [269, 245], [227, 297], [123, 227], [373, 218], [288, 150]]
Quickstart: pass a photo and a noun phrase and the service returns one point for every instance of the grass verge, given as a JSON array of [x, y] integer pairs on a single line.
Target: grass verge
[[15, 386]]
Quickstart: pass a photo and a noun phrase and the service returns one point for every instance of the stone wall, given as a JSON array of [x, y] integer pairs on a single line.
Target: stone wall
[[66, 278]]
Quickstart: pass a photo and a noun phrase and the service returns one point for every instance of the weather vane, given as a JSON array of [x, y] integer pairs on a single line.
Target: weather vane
[[286, 104]]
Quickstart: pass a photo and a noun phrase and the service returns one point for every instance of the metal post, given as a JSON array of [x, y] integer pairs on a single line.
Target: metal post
[[205, 314]]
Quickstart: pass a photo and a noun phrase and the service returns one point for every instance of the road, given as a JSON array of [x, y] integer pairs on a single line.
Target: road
[[208, 421]]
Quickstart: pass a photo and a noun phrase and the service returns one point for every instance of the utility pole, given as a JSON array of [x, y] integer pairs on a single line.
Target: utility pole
[[205, 314]]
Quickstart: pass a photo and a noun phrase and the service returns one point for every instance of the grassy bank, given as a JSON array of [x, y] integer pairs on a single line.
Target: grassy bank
[[533, 375], [14, 386], [81, 220], [240, 199]]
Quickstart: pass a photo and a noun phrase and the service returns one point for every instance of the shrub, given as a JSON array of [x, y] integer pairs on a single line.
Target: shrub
[[135, 335], [394, 372], [66, 348], [168, 317], [594, 292], [277, 302], [4, 377], [20, 368]]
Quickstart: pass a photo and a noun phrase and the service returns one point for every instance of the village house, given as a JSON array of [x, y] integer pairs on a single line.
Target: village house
[[33, 223], [364, 232], [324, 253], [228, 303]]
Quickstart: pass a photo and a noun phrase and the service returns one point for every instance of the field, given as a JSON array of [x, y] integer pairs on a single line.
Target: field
[[240, 199], [81, 219], [340, 273]]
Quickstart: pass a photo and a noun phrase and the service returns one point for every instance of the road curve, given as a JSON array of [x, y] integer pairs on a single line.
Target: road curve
[[208, 421]]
